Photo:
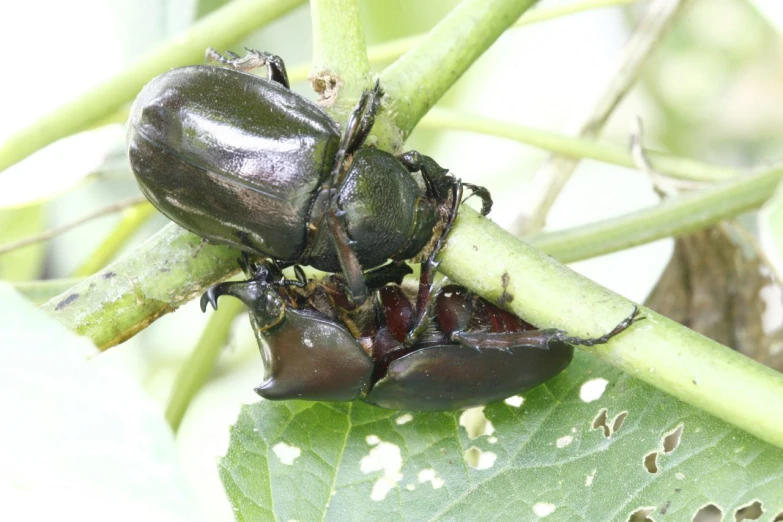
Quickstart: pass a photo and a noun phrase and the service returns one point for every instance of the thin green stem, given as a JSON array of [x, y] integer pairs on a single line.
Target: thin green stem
[[220, 29], [673, 217], [665, 354], [132, 220], [416, 81], [681, 168], [550, 178], [198, 367]]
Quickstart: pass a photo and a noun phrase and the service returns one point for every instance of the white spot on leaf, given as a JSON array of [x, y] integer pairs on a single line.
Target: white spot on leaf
[[543, 509], [286, 454], [593, 389], [428, 475], [372, 440], [516, 401], [589, 479], [385, 457], [562, 442], [404, 419]]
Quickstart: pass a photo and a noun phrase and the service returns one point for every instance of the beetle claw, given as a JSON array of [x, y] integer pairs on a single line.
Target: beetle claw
[[209, 297]]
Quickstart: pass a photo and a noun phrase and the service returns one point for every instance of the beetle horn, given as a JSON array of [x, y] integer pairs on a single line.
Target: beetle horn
[[249, 292]]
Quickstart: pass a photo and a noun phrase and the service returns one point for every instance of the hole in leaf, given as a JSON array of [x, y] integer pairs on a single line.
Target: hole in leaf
[[476, 423], [779, 517], [752, 511], [641, 515], [618, 421], [709, 513], [651, 462], [600, 422], [479, 459], [672, 440]]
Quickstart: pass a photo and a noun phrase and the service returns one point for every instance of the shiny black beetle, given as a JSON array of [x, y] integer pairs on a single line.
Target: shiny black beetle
[[242, 160], [317, 345]]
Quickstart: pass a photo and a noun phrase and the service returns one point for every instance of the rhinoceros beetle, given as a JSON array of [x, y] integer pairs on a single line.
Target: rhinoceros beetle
[[318, 345], [244, 161]]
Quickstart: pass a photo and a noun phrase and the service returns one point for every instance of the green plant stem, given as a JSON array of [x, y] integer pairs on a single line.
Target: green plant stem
[[198, 367], [665, 354], [680, 168], [416, 81], [339, 51], [41, 291], [220, 29], [340, 69], [132, 220], [673, 217], [163, 273], [387, 52]]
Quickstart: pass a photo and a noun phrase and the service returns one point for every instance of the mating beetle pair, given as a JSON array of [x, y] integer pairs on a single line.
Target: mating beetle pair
[[243, 161], [317, 345]]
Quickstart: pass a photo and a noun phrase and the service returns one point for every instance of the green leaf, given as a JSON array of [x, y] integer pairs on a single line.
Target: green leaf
[[556, 454]]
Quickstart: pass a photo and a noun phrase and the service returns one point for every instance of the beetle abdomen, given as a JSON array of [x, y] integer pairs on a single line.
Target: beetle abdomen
[[221, 153]]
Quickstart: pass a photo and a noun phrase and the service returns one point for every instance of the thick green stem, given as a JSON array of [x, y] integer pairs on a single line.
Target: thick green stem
[[339, 52], [196, 370], [415, 82], [41, 291], [168, 270], [340, 69], [701, 372], [220, 29]]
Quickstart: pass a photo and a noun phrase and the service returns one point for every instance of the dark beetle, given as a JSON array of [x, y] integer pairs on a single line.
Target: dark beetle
[[242, 160], [317, 345]]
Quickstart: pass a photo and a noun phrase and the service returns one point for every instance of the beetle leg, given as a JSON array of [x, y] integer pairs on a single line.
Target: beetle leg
[[536, 338], [356, 130], [622, 326], [389, 273], [426, 297], [483, 194], [275, 67], [438, 181]]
